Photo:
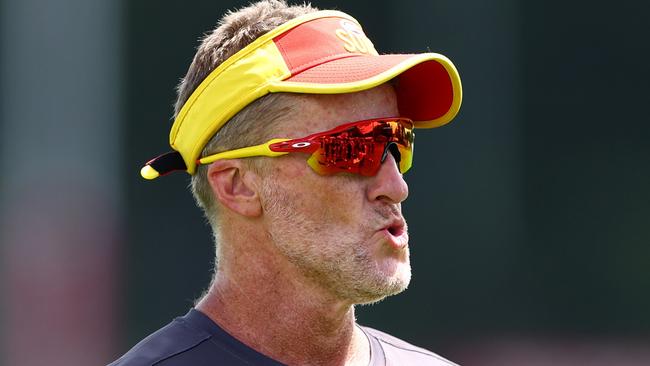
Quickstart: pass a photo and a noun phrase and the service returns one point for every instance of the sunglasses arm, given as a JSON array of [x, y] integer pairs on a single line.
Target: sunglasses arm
[[245, 152], [303, 145]]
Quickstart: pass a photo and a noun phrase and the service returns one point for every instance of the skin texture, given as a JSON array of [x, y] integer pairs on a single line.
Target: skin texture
[[299, 250]]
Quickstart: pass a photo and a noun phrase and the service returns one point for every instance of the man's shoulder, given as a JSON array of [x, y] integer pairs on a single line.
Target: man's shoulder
[[400, 352], [173, 339], [192, 340]]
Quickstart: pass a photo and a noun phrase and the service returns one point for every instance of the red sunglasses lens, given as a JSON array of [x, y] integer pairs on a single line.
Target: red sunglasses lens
[[359, 148]]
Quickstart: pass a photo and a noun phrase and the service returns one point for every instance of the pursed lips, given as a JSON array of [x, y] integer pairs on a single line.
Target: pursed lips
[[396, 227], [396, 233]]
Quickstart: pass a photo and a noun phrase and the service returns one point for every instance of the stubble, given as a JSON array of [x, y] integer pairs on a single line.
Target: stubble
[[340, 261]]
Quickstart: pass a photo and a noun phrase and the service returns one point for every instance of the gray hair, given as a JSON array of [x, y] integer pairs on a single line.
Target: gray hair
[[255, 123]]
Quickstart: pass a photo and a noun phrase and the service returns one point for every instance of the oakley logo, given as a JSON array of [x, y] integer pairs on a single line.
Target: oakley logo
[[298, 145], [354, 40]]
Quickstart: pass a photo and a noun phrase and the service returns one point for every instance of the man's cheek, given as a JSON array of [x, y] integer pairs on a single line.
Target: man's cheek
[[340, 207]]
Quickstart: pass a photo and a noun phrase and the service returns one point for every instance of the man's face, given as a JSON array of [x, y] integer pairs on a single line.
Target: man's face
[[343, 232]]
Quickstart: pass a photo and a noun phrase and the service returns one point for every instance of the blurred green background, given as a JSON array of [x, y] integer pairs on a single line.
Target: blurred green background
[[529, 214]]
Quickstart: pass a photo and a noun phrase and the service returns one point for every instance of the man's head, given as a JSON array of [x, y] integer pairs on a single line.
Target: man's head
[[304, 72]]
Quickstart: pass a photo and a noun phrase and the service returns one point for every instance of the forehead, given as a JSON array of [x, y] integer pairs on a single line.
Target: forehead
[[315, 113]]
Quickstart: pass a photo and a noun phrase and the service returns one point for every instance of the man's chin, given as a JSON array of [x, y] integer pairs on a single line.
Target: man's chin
[[388, 286]]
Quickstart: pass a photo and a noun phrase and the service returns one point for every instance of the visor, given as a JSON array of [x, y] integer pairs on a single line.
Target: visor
[[324, 52]]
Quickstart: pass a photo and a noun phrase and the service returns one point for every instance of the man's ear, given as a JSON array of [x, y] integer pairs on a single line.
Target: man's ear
[[235, 187]]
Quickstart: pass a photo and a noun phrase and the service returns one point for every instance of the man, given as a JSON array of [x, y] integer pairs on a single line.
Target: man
[[296, 134]]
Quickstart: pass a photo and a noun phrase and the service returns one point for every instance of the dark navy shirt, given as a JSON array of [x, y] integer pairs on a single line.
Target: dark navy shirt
[[195, 340]]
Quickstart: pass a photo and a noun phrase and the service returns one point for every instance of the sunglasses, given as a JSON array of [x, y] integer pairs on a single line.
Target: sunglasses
[[357, 147]]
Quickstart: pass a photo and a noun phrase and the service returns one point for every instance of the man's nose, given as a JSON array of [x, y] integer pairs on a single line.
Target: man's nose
[[388, 184]]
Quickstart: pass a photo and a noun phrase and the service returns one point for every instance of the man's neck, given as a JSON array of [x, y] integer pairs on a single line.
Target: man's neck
[[286, 319]]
